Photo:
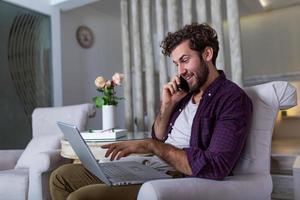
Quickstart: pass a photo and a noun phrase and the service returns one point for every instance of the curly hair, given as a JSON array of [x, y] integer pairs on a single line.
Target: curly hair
[[200, 36]]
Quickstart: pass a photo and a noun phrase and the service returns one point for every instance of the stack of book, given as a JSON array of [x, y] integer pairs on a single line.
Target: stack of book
[[110, 134]]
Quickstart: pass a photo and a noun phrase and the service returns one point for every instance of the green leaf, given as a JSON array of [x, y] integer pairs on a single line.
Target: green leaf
[[107, 92], [105, 98], [105, 101], [109, 97], [114, 102], [98, 102]]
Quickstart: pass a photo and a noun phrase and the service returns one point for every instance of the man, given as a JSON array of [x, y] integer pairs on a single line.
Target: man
[[199, 133]]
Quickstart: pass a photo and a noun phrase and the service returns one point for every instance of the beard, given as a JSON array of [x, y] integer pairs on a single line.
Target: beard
[[201, 76]]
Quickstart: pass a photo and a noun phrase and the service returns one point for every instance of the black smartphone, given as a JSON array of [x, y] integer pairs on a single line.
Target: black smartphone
[[184, 86]]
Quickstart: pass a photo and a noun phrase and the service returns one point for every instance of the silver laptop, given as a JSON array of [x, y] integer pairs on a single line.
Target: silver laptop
[[111, 173]]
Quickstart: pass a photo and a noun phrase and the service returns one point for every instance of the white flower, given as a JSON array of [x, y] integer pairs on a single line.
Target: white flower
[[117, 78], [100, 82]]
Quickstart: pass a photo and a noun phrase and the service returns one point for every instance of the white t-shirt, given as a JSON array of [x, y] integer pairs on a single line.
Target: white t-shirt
[[181, 132]]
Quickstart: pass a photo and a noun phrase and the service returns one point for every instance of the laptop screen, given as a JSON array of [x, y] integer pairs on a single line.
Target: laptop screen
[[72, 134]]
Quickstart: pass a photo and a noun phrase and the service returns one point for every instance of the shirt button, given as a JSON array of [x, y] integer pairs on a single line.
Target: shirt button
[[179, 110], [171, 124], [209, 94]]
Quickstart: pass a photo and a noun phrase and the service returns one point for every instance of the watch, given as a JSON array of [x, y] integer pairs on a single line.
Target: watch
[[85, 37]]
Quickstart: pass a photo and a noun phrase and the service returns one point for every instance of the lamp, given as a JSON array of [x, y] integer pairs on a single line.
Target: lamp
[[295, 111]]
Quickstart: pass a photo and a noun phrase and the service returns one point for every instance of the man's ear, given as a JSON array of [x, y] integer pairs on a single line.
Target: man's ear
[[208, 53]]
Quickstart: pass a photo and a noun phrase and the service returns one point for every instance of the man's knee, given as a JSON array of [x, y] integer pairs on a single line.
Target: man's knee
[[60, 172], [62, 175]]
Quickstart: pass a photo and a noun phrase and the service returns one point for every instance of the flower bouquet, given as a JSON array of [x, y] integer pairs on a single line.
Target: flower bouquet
[[107, 88]]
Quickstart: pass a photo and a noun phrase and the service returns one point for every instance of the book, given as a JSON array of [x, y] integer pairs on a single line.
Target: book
[[110, 134]]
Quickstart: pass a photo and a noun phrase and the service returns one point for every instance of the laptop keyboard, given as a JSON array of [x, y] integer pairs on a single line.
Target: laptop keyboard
[[113, 170]]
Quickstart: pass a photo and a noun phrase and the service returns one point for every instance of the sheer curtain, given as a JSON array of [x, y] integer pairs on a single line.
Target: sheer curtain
[[144, 25]]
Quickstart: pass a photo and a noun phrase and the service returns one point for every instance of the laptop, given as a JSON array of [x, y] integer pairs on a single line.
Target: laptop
[[110, 173]]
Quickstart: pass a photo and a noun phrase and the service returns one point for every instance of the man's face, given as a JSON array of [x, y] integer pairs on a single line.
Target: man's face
[[190, 65]]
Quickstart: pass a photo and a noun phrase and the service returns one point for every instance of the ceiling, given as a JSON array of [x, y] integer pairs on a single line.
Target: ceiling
[[246, 7]]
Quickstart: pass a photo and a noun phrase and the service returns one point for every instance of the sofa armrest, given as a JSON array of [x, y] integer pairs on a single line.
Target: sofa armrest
[[296, 176], [48, 161], [237, 187], [9, 158]]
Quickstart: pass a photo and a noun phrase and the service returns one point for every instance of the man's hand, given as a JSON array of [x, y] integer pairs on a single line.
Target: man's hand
[[171, 93], [123, 149]]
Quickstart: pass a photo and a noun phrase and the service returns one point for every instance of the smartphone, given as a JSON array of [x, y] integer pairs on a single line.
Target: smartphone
[[184, 86]]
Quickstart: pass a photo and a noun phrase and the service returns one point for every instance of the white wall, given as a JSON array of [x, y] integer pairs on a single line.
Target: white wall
[[54, 13], [81, 66], [270, 44]]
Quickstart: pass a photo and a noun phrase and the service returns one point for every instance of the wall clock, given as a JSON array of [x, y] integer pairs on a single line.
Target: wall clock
[[85, 37]]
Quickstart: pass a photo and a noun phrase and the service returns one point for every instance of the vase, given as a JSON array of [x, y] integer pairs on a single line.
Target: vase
[[108, 117]]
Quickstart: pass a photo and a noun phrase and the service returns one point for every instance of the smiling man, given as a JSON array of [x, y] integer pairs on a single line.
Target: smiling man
[[199, 133]]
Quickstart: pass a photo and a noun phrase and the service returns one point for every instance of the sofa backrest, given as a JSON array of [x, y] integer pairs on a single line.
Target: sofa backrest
[[267, 99], [44, 119], [45, 132]]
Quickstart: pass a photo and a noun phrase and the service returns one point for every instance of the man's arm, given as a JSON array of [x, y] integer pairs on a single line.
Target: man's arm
[[161, 121], [177, 158], [170, 98]]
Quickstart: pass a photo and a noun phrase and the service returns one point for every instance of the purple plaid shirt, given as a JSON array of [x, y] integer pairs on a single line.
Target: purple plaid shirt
[[219, 128]]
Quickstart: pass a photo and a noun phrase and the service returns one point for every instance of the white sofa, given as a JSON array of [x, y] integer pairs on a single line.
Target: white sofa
[[252, 179], [24, 174]]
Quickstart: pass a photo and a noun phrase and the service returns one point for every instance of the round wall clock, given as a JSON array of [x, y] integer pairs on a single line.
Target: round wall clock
[[85, 37]]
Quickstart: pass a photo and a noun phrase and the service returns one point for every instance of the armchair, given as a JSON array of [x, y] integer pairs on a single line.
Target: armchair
[[24, 174], [252, 179]]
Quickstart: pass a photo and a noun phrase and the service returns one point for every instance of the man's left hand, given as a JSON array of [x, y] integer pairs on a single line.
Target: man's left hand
[[123, 149]]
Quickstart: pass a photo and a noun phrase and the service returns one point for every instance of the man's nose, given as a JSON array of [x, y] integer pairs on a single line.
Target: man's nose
[[181, 69]]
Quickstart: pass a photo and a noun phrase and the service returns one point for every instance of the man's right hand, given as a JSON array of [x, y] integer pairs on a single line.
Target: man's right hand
[[171, 94]]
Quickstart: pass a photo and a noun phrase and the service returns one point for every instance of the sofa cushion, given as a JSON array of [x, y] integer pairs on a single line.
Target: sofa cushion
[[246, 187], [35, 146], [14, 184], [44, 120]]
